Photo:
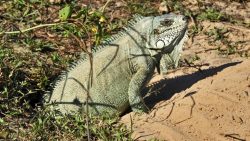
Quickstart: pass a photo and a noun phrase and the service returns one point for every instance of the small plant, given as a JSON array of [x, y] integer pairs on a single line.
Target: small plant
[[195, 30], [217, 34], [51, 125], [211, 14], [221, 35], [174, 5], [139, 8]]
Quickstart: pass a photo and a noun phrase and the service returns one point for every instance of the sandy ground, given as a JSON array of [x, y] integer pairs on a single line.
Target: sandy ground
[[209, 100], [215, 107]]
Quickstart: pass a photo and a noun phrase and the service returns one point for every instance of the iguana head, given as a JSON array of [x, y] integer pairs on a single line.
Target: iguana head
[[165, 32]]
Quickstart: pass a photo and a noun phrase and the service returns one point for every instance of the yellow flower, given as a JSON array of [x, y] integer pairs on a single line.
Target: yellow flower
[[102, 19], [94, 29]]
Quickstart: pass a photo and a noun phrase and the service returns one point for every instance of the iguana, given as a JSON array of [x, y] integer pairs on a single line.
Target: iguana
[[122, 66]]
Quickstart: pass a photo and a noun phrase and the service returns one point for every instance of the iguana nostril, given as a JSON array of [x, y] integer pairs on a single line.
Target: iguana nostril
[[184, 18]]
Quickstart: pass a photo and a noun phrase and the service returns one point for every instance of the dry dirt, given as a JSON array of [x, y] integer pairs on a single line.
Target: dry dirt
[[214, 107], [209, 100]]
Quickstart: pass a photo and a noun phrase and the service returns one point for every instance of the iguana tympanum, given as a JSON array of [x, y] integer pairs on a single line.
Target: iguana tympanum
[[121, 67]]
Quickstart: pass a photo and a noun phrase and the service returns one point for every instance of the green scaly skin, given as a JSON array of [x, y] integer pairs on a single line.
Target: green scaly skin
[[121, 68]]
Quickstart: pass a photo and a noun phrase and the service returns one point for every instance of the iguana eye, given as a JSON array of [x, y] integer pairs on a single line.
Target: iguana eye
[[166, 22], [156, 31]]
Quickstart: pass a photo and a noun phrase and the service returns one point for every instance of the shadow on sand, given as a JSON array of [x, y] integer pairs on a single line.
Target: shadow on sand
[[166, 88]]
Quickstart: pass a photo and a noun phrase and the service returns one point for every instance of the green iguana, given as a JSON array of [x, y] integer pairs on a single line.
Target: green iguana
[[121, 67]]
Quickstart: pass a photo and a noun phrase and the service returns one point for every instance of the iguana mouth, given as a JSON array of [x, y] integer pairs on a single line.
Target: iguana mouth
[[173, 28], [168, 33], [169, 48]]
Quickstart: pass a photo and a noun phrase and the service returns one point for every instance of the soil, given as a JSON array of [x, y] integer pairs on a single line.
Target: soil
[[208, 105], [208, 99]]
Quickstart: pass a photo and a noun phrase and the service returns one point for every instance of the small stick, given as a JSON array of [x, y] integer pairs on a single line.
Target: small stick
[[32, 28]]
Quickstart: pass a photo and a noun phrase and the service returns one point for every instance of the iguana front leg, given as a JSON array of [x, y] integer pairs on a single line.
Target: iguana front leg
[[137, 83]]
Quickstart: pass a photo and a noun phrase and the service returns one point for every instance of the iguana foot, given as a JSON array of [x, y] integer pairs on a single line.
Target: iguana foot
[[140, 108]]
